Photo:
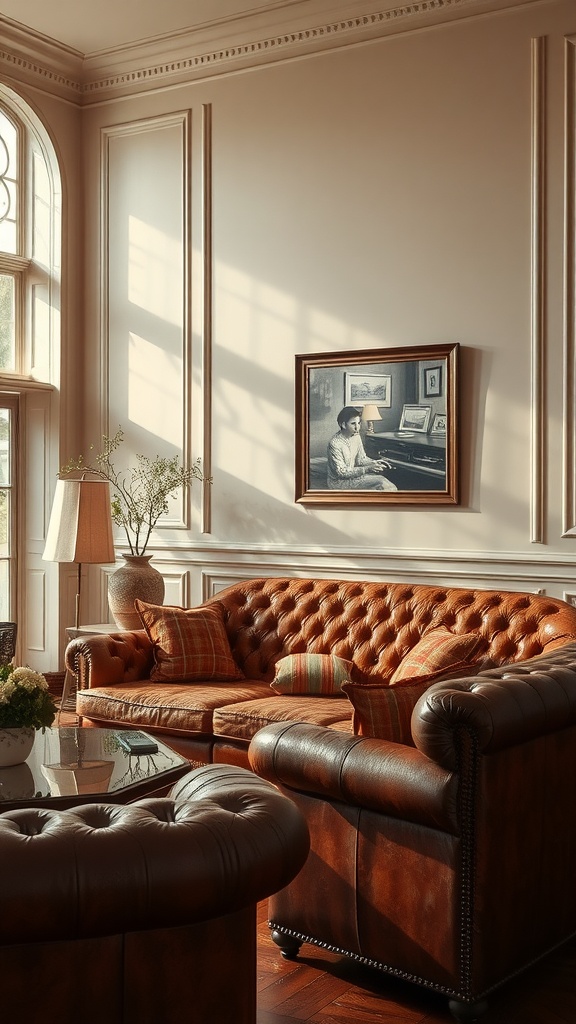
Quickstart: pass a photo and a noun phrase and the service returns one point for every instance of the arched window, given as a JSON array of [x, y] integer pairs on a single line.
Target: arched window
[[12, 264], [30, 231]]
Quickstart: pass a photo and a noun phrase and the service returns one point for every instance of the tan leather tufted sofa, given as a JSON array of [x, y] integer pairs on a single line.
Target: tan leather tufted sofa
[[371, 624], [124, 915], [451, 863]]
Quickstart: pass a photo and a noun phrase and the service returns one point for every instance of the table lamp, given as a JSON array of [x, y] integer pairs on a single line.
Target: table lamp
[[369, 414], [80, 528]]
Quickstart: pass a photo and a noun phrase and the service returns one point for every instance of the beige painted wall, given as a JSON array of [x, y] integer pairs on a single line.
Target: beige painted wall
[[371, 197]]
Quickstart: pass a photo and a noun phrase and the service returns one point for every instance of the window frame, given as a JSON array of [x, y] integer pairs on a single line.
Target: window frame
[[33, 385], [11, 401], [17, 265]]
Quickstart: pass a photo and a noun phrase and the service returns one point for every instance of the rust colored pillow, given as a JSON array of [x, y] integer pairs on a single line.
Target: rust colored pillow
[[384, 712], [436, 654], [190, 644], [319, 675]]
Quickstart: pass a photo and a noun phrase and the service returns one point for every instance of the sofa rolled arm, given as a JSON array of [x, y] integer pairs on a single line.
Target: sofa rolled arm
[[499, 708], [375, 774], [107, 659], [220, 843]]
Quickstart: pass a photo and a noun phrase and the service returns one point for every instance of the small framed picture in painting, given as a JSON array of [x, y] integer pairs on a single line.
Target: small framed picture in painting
[[415, 417], [433, 381], [362, 389], [439, 424]]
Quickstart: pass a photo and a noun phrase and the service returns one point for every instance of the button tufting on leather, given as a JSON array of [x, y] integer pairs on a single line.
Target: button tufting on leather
[[371, 624]]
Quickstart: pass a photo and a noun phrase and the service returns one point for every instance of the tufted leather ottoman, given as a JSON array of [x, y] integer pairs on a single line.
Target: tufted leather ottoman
[[126, 915]]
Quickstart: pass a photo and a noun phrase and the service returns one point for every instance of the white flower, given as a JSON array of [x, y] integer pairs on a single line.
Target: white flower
[[25, 699], [28, 679]]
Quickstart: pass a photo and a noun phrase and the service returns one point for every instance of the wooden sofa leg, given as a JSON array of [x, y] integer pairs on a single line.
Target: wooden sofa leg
[[467, 1012], [289, 946]]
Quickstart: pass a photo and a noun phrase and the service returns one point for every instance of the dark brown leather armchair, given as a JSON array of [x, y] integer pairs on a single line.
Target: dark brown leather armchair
[[451, 863], [146, 912]]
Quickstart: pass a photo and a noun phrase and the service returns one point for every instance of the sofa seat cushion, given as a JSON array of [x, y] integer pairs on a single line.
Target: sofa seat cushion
[[173, 707], [242, 721]]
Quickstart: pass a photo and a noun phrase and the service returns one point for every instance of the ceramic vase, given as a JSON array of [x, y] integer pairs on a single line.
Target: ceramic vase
[[136, 579], [15, 745]]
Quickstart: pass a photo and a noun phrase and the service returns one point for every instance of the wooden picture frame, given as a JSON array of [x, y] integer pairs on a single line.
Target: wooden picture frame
[[438, 424], [415, 418], [362, 389], [403, 457], [432, 381]]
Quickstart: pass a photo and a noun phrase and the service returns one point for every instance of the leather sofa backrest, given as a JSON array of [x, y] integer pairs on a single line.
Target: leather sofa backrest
[[376, 624]]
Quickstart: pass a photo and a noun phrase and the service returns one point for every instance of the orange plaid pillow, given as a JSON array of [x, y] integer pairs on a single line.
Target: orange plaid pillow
[[189, 643], [437, 653], [382, 712]]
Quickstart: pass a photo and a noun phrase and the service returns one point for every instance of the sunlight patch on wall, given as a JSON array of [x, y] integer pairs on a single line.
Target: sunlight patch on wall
[[153, 283], [255, 437], [256, 317], [153, 388]]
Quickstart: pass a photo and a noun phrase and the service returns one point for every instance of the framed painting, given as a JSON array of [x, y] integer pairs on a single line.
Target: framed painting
[[377, 427], [362, 389], [415, 417], [432, 381], [438, 424]]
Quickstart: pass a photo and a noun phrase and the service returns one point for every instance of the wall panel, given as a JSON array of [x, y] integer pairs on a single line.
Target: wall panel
[[145, 295]]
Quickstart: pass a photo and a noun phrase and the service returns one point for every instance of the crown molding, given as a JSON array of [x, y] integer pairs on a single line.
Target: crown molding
[[27, 56], [283, 32]]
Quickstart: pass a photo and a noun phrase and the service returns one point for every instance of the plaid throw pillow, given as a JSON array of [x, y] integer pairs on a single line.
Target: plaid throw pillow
[[319, 675], [382, 712], [189, 643], [437, 653]]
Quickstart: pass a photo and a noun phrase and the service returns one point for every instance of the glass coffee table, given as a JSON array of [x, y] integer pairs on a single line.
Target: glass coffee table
[[69, 766]]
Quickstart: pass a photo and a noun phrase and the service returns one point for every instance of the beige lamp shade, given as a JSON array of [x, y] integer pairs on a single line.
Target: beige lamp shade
[[80, 528], [369, 414]]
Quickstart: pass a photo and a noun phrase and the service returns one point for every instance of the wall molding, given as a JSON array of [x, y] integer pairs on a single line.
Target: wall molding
[[531, 565], [537, 290], [569, 426], [207, 315], [195, 572], [217, 49], [182, 121], [214, 571]]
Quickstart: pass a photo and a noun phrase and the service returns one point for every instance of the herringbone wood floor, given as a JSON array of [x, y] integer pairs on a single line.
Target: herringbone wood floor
[[323, 988]]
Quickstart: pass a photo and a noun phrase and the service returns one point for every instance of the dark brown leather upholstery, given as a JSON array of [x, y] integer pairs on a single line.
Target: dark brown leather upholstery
[[372, 624], [128, 914], [450, 864]]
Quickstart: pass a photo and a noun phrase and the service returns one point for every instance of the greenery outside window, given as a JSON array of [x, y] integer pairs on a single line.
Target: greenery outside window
[[8, 322]]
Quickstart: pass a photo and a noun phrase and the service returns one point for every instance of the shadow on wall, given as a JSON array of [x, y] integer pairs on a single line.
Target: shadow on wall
[[245, 514]]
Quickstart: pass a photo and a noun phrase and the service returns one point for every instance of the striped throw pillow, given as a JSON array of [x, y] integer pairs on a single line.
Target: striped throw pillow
[[190, 644], [319, 675]]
